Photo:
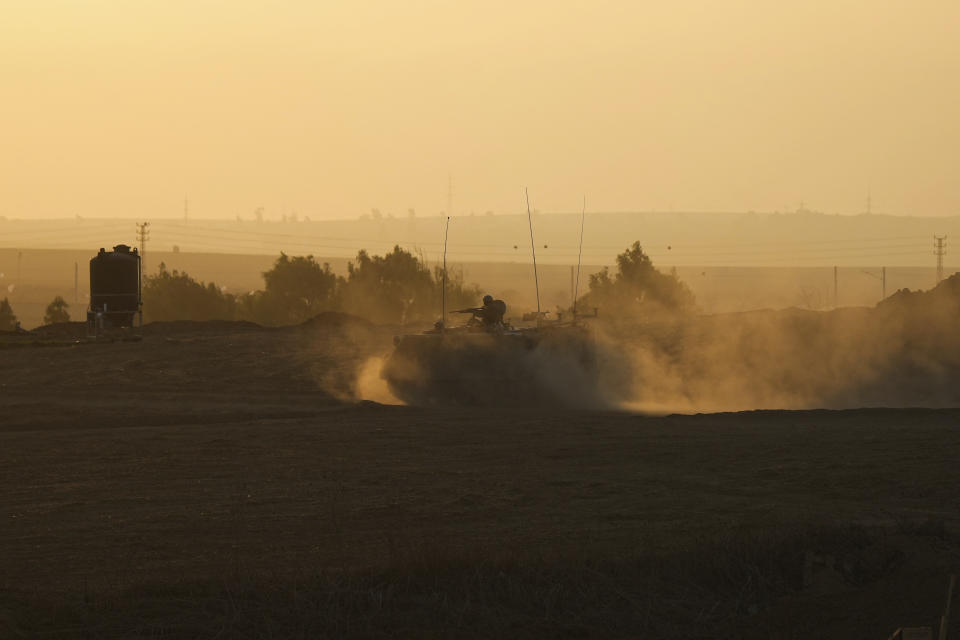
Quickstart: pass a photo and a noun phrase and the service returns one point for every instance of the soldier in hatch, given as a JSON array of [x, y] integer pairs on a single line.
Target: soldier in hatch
[[492, 312]]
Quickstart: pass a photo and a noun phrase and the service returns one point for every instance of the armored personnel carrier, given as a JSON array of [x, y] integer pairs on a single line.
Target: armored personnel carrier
[[492, 365], [487, 361]]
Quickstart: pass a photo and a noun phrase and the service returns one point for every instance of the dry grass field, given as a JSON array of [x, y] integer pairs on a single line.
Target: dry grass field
[[219, 481]]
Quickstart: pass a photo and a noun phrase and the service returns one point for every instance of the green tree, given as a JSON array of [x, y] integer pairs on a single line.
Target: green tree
[[8, 321], [637, 286], [399, 287], [296, 289], [174, 295], [393, 288], [57, 311]]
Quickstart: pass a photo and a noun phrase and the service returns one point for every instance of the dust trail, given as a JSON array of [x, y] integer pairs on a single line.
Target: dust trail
[[371, 386], [904, 352]]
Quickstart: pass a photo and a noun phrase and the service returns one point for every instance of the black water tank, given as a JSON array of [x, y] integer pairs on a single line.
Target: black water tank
[[115, 285]]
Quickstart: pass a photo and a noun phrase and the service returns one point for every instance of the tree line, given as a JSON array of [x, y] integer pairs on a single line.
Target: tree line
[[395, 288]]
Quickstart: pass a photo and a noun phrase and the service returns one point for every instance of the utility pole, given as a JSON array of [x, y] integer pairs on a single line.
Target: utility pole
[[143, 234], [572, 288], [883, 280], [939, 250], [836, 293]]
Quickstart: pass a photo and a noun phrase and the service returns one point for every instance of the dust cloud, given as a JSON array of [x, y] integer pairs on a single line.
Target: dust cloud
[[903, 352], [345, 354], [370, 384]]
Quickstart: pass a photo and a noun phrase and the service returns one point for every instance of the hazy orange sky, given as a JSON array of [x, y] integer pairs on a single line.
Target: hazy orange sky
[[121, 108]]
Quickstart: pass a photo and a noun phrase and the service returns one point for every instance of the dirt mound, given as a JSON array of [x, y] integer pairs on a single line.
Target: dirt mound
[[337, 320], [61, 330], [219, 327], [945, 296], [324, 321]]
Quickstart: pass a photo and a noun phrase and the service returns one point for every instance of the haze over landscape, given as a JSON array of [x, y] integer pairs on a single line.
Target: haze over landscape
[[328, 110]]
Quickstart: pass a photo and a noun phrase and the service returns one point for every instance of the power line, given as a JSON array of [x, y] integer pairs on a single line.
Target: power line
[[72, 231], [258, 238], [751, 259], [882, 278], [218, 244], [731, 245], [250, 242], [719, 254]]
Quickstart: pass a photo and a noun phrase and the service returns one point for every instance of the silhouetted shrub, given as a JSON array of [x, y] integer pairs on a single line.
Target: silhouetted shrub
[[399, 287], [57, 311], [296, 288], [8, 321], [174, 295], [637, 286]]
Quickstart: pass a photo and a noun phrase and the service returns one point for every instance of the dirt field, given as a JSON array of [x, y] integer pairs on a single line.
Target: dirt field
[[218, 481]]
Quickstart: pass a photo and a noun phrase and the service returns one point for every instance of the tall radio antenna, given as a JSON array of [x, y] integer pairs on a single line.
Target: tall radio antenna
[[443, 290], [533, 250], [576, 286], [449, 194]]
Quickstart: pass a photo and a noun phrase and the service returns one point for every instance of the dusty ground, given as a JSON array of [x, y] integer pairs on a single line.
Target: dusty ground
[[210, 480]]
